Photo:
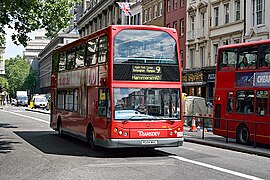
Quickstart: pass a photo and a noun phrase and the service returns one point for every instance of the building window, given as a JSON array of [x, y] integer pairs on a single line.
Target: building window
[[182, 3], [160, 9], [237, 10], [227, 13], [149, 14], [168, 5], [182, 57], [236, 41], [258, 12], [226, 42], [216, 15], [201, 32], [192, 58], [202, 55], [203, 20], [155, 11], [192, 23], [174, 24], [145, 16], [215, 52], [182, 27], [174, 4]]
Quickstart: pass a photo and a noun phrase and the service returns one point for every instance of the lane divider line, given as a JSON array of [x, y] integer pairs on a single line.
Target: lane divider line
[[37, 119]]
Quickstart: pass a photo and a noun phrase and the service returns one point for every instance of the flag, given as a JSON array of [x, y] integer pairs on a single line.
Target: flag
[[125, 7]]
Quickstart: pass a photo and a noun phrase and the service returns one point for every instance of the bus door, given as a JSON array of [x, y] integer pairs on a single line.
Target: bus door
[[98, 111]]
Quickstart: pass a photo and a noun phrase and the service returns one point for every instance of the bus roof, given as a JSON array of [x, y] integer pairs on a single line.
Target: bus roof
[[246, 44]]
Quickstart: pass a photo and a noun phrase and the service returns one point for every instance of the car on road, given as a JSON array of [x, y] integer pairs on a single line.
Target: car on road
[[13, 102], [40, 102]]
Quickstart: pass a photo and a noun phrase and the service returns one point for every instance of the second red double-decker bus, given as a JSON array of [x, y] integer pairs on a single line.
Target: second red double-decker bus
[[119, 87], [242, 92]]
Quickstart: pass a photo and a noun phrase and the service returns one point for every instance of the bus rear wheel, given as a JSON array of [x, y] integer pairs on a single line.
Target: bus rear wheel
[[242, 135], [59, 128], [91, 138]]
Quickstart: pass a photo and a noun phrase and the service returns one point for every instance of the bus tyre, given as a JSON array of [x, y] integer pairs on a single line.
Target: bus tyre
[[91, 138], [242, 134], [59, 128]]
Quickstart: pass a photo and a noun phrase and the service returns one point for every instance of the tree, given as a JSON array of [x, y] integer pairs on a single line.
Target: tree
[[20, 75], [25, 16], [4, 86]]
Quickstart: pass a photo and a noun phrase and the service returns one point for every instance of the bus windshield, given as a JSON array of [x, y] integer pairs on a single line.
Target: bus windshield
[[144, 47], [146, 103]]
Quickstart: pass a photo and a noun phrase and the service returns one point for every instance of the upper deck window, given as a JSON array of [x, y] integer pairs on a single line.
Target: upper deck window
[[62, 62], [264, 58], [247, 58], [228, 59], [144, 47], [91, 52], [102, 49]]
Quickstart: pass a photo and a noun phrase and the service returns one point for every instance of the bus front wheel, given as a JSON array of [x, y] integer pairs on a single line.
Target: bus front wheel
[[242, 134]]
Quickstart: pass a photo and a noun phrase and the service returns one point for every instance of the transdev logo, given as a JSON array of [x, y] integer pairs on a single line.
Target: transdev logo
[[141, 133]]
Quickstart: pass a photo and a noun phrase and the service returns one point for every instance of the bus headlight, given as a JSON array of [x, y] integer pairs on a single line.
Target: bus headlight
[[125, 133], [120, 132]]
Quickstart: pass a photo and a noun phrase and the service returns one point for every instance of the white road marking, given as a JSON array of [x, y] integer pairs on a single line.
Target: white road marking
[[37, 119], [216, 168]]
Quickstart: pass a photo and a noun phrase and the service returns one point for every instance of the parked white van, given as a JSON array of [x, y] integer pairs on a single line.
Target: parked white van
[[39, 102]]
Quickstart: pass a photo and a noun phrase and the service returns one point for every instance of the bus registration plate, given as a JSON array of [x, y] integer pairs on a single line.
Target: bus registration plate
[[149, 141]]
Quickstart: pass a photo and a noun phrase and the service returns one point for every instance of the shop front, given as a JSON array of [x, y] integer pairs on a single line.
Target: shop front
[[194, 83], [199, 82]]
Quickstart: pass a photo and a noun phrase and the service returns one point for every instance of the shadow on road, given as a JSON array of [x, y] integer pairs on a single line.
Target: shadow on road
[[49, 142], [4, 125], [6, 143]]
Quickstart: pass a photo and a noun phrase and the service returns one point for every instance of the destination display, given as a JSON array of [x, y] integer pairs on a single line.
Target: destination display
[[146, 69], [146, 73], [132, 72]]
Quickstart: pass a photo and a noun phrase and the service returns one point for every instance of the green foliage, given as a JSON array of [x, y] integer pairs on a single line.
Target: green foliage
[[20, 75], [25, 16], [4, 84]]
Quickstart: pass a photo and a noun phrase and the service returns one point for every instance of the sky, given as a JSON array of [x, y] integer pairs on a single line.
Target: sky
[[12, 50]]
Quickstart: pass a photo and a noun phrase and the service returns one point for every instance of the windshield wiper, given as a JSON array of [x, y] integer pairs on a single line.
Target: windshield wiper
[[126, 120], [170, 121]]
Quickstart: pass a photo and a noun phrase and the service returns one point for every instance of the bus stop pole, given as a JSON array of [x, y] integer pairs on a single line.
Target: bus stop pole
[[203, 128]]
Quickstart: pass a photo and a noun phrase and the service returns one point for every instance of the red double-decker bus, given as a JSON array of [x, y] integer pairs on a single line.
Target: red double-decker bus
[[242, 92], [119, 87]]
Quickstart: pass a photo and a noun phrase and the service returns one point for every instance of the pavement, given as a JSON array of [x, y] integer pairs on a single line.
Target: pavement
[[209, 139], [218, 141], [38, 110]]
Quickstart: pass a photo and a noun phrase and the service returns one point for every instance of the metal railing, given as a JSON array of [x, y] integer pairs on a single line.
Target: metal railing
[[200, 122]]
